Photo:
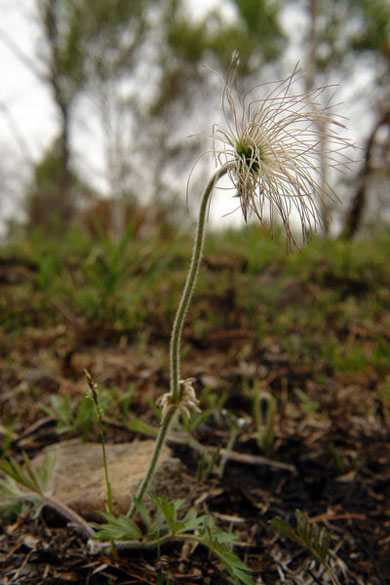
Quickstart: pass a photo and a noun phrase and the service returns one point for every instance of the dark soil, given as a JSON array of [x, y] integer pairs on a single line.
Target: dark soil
[[331, 437]]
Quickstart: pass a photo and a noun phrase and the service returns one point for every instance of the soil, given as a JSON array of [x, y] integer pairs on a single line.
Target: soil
[[329, 457]]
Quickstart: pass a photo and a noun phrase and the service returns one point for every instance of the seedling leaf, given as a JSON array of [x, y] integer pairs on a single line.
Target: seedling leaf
[[117, 528], [35, 478], [309, 535]]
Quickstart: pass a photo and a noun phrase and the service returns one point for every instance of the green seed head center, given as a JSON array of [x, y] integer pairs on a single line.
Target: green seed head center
[[249, 154]]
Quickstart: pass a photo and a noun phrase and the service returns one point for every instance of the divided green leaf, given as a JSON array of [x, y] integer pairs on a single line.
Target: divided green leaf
[[237, 568], [166, 524], [36, 478], [118, 528], [308, 534]]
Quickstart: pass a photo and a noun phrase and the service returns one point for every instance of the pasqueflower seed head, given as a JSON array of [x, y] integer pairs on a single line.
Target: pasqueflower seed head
[[275, 141]]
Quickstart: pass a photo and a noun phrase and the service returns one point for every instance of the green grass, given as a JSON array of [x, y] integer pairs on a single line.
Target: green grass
[[334, 294]]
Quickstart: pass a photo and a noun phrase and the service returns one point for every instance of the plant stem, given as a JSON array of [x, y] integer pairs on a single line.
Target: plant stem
[[68, 513], [110, 504], [94, 395], [176, 336], [98, 547], [227, 451], [160, 440], [190, 285]]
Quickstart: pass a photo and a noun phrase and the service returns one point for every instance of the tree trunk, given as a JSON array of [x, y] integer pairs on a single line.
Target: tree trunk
[[356, 210], [310, 74], [65, 203], [62, 200]]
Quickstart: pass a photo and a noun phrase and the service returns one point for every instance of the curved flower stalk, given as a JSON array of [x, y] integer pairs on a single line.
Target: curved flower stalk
[[182, 394], [271, 139], [269, 148]]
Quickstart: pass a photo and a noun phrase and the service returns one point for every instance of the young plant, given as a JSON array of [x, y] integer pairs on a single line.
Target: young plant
[[106, 274], [169, 523], [264, 411], [28, 483], [206, 464], [94, 396], [310, 536], [235, 424], [70, 415], [6, 434]]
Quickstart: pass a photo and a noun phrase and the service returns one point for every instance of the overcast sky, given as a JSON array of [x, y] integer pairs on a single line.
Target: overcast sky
[[28, 117]]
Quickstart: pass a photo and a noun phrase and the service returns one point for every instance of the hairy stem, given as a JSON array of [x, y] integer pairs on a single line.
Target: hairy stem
[[190, 285], [160, 440], [98, 547], [176, 336], [69, 514]]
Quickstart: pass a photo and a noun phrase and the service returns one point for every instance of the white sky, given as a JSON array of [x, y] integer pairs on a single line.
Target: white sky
[[26, 98]]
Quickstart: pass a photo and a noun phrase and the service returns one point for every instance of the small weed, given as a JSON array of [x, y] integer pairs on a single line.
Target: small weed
[[77, 415], [235, 424], [170, 522], [264, 413], [308, 405], [31, 484], [381, 355], [348, 357], [383, 393], [206, 465], [71, 416], [310, 536], [7, 433], [338, 458]]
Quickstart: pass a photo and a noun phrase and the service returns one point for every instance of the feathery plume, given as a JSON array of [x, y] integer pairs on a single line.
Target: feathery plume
[[273, 142]]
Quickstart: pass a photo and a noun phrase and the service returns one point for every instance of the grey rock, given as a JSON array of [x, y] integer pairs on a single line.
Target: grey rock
[[78, 478]]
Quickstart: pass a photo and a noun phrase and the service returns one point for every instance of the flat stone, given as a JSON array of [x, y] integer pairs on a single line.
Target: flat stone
[[78, 478]]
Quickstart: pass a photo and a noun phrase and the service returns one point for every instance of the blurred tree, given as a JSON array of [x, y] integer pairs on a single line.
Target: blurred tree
[[40, 195], [259, 20], [373, 39], [340, 31], [374, 175], [140, 59], [312, 67], [83, 38], [255, 32], [339, 34], [181, 44]]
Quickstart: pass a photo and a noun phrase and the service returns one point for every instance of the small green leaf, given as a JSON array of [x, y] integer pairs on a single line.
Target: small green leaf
[[144, 513], [307, 534], [191, 521], [118, 528], [35, 479], [285, 529], [237, 568], [224, 538], [169, 511], [139, 426], [10, 496]]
